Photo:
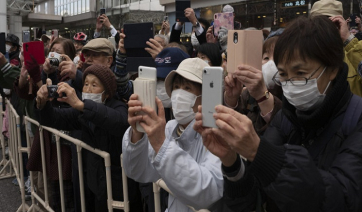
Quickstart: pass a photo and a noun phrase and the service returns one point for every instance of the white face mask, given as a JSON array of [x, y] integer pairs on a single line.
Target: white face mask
[[8, 47], [269, 69], [194, 40], [304, 97], [182, 103], [96, 97], [54, 55], [6, 91], [162, 95]]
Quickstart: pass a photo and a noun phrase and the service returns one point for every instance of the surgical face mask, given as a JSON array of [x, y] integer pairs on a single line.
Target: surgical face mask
[[182, 103], [194, 40], [162, 95], [269, 69], [53, 55], [76, 60], [96, 97], [304, 97], [206, 61], [6, 91], [8, 47]]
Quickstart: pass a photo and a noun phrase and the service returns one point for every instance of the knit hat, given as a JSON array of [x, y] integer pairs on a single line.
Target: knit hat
[[105, 75], [190, 69], [13, 39], [327, 7], [168, 60], [101, 45], [228, 9]]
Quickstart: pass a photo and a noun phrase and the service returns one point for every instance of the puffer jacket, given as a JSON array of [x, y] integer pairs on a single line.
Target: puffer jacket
[[289, 171]]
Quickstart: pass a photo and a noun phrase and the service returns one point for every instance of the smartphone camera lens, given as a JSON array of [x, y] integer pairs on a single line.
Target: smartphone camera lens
[[205, 71]]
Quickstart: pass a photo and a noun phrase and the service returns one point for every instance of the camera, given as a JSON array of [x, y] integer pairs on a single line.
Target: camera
[[55, 61], [52, 91]]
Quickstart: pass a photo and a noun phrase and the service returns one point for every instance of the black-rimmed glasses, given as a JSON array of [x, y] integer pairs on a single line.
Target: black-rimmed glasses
[[297, 81]]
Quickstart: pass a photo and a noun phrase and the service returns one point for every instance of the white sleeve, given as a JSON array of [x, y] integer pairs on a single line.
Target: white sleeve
[[96, 34], [199, 30], [178, 26], [197, 185], [136, 162], [113, 31]]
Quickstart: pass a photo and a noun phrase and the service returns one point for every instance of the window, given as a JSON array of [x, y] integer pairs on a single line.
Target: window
[[46, 7]]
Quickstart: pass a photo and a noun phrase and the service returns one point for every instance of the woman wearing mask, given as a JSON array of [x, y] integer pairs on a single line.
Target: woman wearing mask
[[210, 53], [260, 99], [309, 158], [88, 115], [174, 150]]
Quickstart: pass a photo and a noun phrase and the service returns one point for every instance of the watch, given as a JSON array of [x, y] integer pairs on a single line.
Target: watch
[[345, 43], [265, 97], [196, 25]]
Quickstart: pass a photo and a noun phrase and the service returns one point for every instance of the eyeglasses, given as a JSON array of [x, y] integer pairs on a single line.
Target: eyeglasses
[[297, 81]]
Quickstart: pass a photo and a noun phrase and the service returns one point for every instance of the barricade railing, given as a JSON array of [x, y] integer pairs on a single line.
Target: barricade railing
[[16, 152], [112, 204], [156, 190], [6, 168]]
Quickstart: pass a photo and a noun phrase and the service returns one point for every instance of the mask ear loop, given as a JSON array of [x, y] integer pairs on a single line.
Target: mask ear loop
[[325, 90], [105, 98]]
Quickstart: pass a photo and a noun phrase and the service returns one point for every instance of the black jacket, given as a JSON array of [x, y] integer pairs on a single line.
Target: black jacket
[[102, 127], [286, 173]]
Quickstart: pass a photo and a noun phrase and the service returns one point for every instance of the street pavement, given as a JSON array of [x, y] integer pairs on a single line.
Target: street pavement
[[10, 199]]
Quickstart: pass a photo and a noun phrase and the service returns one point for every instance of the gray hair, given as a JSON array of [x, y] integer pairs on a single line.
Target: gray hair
[[164, 37]]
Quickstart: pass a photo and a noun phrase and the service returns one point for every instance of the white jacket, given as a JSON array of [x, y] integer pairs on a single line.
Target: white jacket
[[189, 170]]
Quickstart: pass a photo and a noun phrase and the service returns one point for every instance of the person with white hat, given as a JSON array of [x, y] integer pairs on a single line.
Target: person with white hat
[[174, 151]]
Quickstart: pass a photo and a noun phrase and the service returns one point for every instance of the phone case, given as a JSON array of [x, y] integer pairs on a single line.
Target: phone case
[[55, 33], [2, 43], [145, 87], [244, 47], [212, 94], [26, 36], [181, 6], [34, 49], [223, 20], [136, 37]]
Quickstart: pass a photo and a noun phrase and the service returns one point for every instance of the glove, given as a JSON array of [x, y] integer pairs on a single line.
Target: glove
[[33, 69]]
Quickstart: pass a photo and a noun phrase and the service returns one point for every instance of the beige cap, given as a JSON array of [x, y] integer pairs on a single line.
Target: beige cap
[[190, 69], [327, 7], [102, 45], [45, 38]]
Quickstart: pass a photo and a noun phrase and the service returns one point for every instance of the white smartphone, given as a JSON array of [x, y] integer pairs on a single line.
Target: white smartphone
[[212, 94], [145, 87]]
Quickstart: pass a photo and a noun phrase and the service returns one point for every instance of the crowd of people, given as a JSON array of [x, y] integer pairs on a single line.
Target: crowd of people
[[288, 136]]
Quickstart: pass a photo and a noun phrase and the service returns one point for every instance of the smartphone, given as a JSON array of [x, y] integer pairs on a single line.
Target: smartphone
[[26, 36], [55, 33], [2, 43], [81, 57], [52, 91], [225, 20], [244, 47], [212, 94], [165, 18], [145, 87], [102, 11], [181, 6], [352, 23], [34, 49]]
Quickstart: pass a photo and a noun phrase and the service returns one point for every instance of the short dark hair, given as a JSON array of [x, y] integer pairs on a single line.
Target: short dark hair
[[68, 46], [212, 51], [316, 38], [269, 44]]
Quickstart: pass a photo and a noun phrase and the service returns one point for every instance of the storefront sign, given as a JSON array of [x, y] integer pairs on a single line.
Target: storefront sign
[[294, 4]]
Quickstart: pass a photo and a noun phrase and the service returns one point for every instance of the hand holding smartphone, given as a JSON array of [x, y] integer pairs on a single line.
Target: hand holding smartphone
[[55, 33], [102, 12], [212, 94], [145, 87]]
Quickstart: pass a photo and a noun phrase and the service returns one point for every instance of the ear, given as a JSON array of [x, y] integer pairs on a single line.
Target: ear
[[110, 61], [333, 74]]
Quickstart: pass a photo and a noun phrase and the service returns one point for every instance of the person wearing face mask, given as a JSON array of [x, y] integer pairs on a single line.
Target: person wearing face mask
[[210, 53], [309, 158], [173, 151], [260, 100], [13, 49], [87, 114]]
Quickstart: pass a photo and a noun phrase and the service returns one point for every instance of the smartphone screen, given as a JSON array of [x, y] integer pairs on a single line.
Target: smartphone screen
[[26, 36], [102, 11], [165, 18]]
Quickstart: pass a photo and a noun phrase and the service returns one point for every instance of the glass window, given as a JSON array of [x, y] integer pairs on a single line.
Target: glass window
[[46, 7], [83, 6], [87, 6], [79, 7]]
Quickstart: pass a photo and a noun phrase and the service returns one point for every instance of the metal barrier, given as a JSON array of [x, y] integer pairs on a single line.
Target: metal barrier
[[15, 163], [112, 204], [6, 169], [156, 190]]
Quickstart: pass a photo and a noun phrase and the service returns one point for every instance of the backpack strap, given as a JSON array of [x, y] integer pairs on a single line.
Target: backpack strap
[[352, 115]]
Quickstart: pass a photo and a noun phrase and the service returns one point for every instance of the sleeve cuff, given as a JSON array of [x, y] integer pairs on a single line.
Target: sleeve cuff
[[199, 30], [351, 44], [113, 31], [6, 67], [96, 34], [235, 172]]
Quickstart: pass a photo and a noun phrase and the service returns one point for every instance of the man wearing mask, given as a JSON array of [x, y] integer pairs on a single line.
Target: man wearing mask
[[13, 49]]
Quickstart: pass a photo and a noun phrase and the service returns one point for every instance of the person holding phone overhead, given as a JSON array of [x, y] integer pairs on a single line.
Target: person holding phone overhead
[[173, 151], [103, 22]]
